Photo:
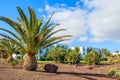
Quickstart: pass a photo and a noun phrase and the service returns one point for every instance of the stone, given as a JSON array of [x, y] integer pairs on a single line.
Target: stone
[[51, 68]]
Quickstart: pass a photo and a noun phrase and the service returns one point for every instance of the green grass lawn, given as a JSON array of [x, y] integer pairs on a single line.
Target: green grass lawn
[[45, 62], [81, 62]]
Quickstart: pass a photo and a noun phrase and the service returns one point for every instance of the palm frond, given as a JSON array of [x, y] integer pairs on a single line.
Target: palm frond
[[14, 25], [10, 33], [52, 33], [55, 42], [46, 26], [23, 18], [13, 40], [33, 19]]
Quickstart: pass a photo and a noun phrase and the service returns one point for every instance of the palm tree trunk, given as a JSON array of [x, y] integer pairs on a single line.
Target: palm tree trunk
[[30, 63], [56, 60], [10, 58], [90, 66], [21, 57], [76, 64]]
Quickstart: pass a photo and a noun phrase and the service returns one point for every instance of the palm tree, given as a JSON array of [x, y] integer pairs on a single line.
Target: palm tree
[[2, 52], [73, 56], [106, 53], [9, 48], [32, 35], [116, 51], [93, 57], [77, 52], [57, 53]]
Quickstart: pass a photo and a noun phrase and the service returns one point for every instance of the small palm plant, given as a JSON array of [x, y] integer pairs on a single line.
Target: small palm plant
[[8, 47], [31, 35], [73, 56], [93, 57], [57, 54]]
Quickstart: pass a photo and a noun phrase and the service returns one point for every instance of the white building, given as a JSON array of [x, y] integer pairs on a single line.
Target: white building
[[14, 56], [115, 53], [45, 50]]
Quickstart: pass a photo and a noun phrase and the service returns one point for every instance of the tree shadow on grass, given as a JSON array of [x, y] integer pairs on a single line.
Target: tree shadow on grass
[[86, 75]]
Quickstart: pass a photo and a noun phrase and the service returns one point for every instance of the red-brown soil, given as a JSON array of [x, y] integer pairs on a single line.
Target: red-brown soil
[[65, 72]]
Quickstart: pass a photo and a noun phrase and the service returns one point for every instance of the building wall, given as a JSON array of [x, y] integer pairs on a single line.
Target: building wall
[[45, 50]]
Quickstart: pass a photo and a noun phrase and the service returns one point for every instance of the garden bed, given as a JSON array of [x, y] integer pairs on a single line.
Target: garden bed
[[65, 72]]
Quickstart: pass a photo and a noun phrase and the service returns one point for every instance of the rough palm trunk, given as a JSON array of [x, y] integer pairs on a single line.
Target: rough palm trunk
[[21, 57], [10, 58], [55, 59], [30, 63], [90, 66]]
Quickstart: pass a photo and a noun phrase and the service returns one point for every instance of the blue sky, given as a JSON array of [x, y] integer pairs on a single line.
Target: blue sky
[[93, 23]]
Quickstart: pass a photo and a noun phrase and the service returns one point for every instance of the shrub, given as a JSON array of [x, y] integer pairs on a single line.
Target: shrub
[[57, 54], [111, 72], [73, 57], [117, 74], [115, 61], [61, 58], [114, 72], [69, 58], [113, 58], [89, 59], [110, 60], [21, 61], [92, 57], [13, 62]]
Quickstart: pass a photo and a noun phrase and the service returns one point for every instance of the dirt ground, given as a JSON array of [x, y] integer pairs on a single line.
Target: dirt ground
[[65, 72]]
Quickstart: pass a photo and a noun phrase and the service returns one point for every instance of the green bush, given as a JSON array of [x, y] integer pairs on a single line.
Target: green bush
[[115, 61], [110, 60], [13, 62], [117, 74], [61, 59], [57, 54], [111, 72], [114, 72], [73, 57], [21, 61], [92, 57]]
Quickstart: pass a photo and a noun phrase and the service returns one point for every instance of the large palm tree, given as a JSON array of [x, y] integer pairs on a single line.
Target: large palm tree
[[32, 35]]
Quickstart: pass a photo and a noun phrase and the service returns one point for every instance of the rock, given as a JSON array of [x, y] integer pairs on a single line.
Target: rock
[[51, 68]]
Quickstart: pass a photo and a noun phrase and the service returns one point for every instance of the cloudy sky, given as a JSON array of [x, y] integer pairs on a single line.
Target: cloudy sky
[[93, 23]]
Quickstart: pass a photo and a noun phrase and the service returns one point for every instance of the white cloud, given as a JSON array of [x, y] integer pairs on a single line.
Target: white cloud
[[83, 39], [104, 21], [40, 10], [96, 39], [63, 5], [70, 18]]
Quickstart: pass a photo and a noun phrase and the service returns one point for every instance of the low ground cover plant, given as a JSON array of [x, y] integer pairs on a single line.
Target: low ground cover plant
[[114, 73]]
